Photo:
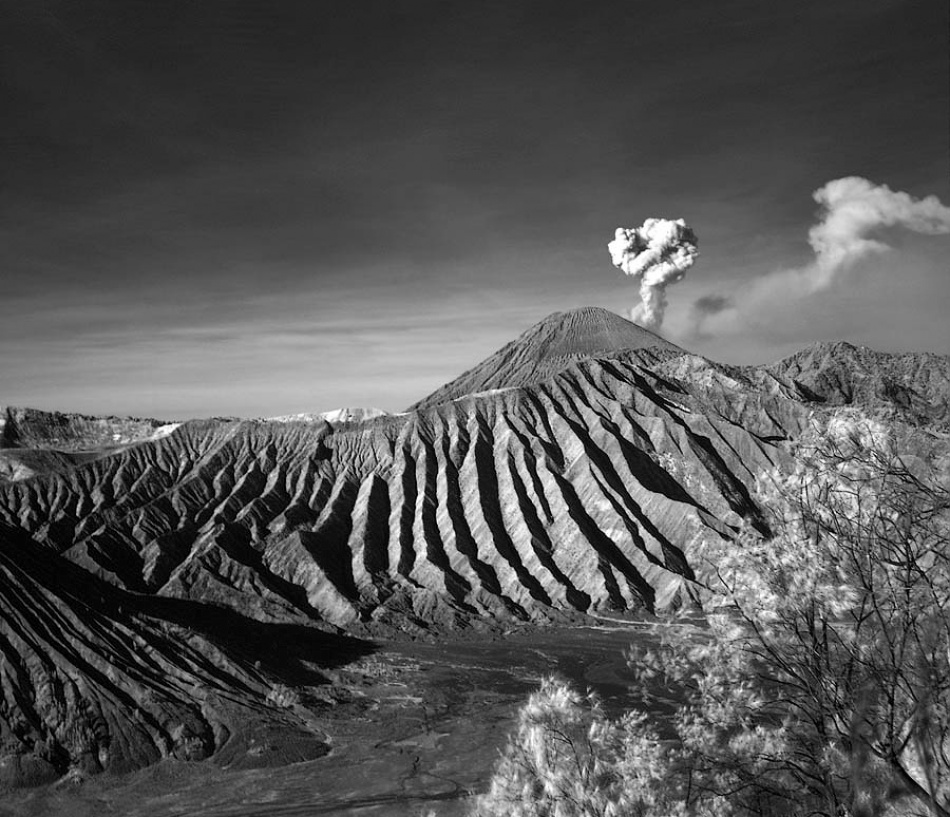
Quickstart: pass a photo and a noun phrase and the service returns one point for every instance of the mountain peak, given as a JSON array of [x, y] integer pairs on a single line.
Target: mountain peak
[[589, 330], [547, 348]]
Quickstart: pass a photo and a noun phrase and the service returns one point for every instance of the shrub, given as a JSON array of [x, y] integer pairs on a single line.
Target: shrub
[[567, 759]]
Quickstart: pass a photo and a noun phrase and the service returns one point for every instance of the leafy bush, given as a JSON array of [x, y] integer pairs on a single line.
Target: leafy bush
[[567, 759]]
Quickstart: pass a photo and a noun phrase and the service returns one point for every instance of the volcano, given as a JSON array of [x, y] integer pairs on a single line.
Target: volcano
[[549, 347], [184, 590]]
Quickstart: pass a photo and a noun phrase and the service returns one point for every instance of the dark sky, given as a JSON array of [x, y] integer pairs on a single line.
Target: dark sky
[[260, 207]]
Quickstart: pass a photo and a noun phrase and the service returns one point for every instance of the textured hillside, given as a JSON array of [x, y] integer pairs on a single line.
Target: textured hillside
[[914, 387], [550, 496], [38, 442], [94, 678], [31, 428], [571, 478]]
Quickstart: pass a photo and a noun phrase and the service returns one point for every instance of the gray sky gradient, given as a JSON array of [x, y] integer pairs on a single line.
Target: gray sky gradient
[[249, 207]]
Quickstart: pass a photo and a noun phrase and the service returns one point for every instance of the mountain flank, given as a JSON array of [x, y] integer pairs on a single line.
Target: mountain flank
[[35, 442], [569, 474]]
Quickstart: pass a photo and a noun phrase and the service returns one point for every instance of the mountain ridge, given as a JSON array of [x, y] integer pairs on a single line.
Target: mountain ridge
[[543, 501]]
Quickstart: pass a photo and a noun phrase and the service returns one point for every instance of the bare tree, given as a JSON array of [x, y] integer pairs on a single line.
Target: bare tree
[[821, 682]]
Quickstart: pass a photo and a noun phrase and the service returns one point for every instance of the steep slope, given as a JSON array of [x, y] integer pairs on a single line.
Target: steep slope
[[553, 497], [549, 347], [914, 387], [92, 677]]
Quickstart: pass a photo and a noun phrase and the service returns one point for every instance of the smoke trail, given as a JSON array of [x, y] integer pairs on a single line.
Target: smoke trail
[[852, 209], [855, 207], [658, 253]]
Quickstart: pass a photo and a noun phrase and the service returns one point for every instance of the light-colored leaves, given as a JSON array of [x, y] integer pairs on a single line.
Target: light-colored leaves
[[818, 681]]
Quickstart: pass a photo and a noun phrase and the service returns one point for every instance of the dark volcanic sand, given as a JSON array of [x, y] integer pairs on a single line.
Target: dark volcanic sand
[[423, 730]]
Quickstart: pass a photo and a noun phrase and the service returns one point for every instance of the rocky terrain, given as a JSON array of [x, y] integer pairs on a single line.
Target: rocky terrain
[[95, 678], [177, 590], [37, 442]]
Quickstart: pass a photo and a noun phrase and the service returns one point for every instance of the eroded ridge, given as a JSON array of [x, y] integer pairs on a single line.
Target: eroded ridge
[[582, 492]]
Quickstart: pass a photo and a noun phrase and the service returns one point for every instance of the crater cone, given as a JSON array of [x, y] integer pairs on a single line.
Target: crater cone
[[547, 348]]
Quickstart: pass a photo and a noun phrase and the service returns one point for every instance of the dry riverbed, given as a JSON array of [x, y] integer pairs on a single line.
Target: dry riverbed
[[419, 725]]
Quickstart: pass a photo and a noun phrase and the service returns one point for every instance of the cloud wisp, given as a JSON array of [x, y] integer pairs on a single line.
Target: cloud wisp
[[853, 211]]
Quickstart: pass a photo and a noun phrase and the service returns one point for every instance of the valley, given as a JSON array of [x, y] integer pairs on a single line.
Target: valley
[[420, 724]]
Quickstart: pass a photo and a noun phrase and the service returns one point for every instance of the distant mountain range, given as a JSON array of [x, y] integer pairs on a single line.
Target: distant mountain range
[[567, 474]]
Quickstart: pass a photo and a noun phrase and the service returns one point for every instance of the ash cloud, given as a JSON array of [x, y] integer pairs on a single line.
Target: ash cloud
[[711, 304], [658, 254], [853, 211]]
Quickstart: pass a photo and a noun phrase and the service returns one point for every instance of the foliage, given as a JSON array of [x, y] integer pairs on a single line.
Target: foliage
[[818, 681], [567, 759]]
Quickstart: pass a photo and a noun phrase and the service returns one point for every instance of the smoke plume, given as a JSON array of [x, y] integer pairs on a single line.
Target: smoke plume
[[658, 253], [853, 209]]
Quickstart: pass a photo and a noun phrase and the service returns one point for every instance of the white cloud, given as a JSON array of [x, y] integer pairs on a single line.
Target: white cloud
[[854, 209]]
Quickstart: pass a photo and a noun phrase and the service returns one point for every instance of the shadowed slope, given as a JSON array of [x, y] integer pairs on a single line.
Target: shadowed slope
[[92, 677]]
